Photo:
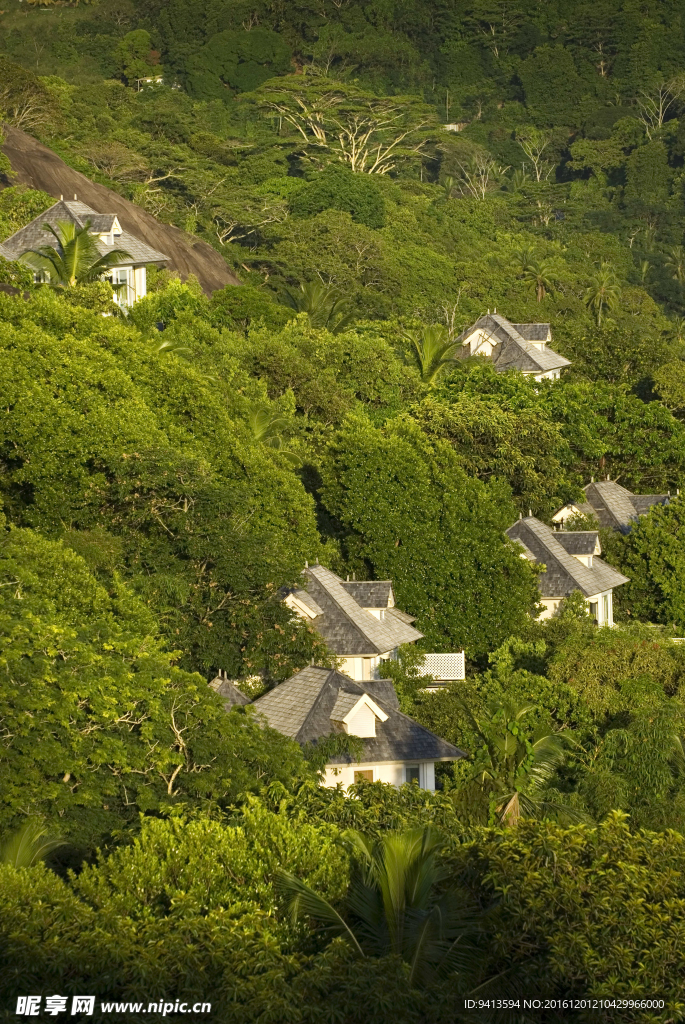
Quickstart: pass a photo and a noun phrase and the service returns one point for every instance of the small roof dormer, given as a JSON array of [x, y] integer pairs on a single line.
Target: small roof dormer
[[357, 715]]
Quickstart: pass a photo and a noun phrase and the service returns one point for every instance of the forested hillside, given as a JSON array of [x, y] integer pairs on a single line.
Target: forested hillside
[[377, 175]]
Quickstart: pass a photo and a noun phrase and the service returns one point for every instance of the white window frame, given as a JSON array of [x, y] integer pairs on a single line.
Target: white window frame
[[123, 296]]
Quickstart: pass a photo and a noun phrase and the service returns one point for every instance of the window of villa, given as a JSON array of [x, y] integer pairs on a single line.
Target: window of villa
[[122, 276], [364, 776], [411, 773]]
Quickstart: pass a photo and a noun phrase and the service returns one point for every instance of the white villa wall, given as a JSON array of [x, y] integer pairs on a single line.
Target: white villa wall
[[140, 282], [393, 772], [567, 512], [604, 602], [550, 606], [363, 669], [549, 375], [136, 284]]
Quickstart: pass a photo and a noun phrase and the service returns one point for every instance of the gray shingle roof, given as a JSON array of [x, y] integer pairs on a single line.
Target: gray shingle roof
[[348, 628], [229, 691], [563, 573], [512, 351], [33, 235], [580, 542], [371, 593], [396, 613], [5, 253], [617, 507], [102, 222], [302, 707], [307, 600], [643, 502], [344, 703], [534, 332], [383, 691]]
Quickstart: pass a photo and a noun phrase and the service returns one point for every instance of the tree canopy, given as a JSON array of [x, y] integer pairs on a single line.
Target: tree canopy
[[378, 176]]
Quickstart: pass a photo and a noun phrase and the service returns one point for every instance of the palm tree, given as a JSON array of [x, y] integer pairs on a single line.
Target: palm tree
[[396, 904], [434, 350], [675, 261], [266, 427], [523, 257], [75, 257], [517, 180], [515, 764], [325, 306], [29, 845], [603, 291], [539, 276]]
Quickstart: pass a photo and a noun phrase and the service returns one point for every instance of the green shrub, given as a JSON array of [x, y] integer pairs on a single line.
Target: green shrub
[[336, 188]]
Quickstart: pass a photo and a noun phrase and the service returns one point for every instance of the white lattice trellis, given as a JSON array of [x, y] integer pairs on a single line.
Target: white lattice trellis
[[444, 666]]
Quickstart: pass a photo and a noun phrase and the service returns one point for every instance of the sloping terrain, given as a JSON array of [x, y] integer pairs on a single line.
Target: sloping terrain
[[36, 165]]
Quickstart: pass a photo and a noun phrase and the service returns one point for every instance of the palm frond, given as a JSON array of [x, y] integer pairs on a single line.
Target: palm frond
[[434, 350], [301, 900], [74, 258], [326, 307], [28, 846]]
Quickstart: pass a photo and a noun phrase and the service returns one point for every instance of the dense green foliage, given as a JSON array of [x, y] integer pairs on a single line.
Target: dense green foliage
[[190, 908], [164, 473], [98, 721]]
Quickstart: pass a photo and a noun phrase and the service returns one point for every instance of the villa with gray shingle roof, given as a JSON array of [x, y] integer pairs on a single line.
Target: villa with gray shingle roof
[[357, 619], [612, 505], [105, 227], [522, 347], [360, 623], [319, 702], [571, 563]]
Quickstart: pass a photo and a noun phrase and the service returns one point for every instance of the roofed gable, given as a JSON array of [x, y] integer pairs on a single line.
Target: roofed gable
[[228, 690], [563, 572], [501, 341], [613, 505], [348, 628], [34, 235], [304, 707]]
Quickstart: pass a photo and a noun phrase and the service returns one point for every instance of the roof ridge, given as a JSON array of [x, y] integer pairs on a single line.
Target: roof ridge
[[581, 574], [317, 699], [372, 628]]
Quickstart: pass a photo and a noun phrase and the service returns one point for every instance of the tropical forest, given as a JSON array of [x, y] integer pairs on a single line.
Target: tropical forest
[[245, 247]]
